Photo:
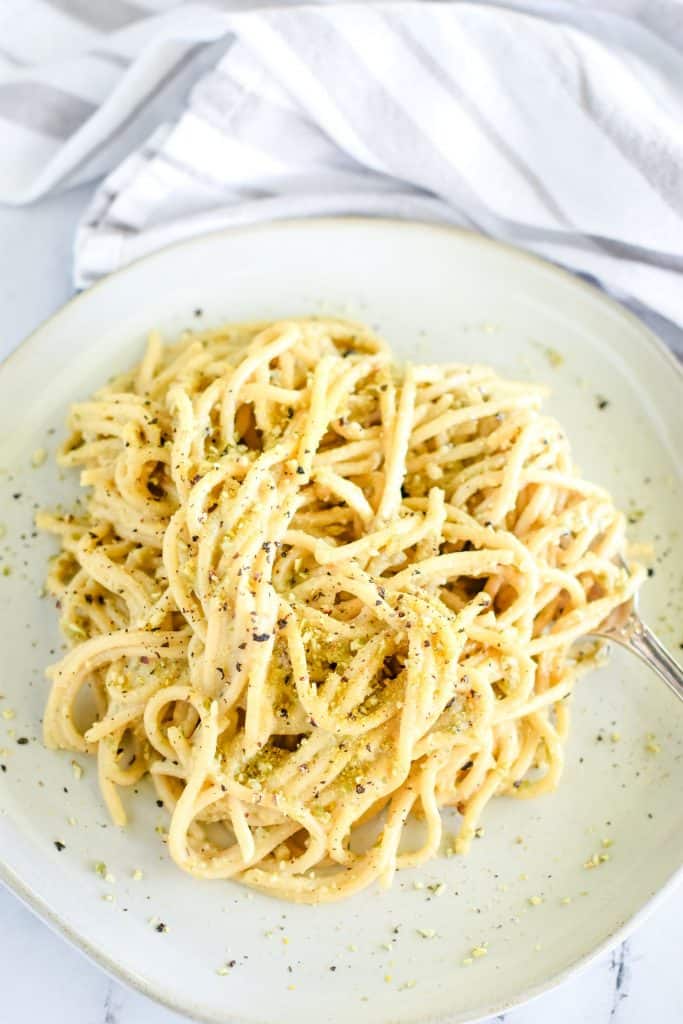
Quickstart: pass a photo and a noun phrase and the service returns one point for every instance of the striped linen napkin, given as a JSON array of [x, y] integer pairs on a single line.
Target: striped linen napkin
[[556, 126]]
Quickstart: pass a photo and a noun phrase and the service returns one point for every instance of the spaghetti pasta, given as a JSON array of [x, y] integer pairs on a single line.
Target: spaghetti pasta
[[313, 594]]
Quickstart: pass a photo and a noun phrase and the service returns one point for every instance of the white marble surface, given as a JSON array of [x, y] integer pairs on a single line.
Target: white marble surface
[[44, 979]]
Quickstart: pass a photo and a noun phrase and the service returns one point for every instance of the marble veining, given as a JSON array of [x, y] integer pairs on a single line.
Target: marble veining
[[620, 967]]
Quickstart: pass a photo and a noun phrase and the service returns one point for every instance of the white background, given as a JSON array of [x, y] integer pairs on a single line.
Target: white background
[[44, 979]]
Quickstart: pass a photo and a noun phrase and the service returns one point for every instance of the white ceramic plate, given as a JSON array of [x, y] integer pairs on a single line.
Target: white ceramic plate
[[436, 294]]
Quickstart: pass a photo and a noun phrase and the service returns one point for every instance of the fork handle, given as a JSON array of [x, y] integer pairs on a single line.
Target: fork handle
[[642, 641]]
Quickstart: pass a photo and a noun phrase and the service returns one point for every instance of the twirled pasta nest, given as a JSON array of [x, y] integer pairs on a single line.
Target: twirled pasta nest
[[313, 593]]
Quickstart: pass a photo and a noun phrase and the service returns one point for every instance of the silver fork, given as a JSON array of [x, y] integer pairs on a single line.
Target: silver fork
[[624, 626]]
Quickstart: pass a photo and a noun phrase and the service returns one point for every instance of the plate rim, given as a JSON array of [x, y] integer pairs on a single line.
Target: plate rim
[[596, 294], [594, 291]]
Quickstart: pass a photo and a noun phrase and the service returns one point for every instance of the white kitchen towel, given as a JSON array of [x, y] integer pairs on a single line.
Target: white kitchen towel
[[553, 125]]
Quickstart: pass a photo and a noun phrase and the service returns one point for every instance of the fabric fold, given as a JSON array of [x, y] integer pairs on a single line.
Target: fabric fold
[[552, 126]]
